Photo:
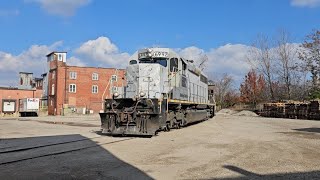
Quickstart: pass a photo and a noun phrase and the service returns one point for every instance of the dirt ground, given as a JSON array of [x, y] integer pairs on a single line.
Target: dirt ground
[[228, 146]]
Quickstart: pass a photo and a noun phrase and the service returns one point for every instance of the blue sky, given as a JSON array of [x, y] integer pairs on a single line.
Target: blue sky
[[106, 33]]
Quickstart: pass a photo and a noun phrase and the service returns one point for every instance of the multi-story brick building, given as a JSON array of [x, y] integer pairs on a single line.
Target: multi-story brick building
[[79, 89]]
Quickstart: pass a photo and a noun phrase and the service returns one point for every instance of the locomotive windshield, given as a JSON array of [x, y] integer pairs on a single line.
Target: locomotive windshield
[[160, 61]]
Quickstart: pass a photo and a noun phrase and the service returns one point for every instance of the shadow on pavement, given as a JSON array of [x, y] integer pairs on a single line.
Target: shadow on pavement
[[313, 130], [123, 136], [62, 157], [250, 175]]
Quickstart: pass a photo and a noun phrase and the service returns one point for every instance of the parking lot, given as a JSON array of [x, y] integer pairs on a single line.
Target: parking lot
[[228, 146]]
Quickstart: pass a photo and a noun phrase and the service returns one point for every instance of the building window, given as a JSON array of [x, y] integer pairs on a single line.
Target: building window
[[72, 88], [60, 57], [94, 89], [52, 89], [114, 78], [53, 74], [95, 76], [73, 75], [114, 89]]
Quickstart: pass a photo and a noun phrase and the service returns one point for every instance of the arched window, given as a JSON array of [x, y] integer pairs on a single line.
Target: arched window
[[114, 78], [95, 76]]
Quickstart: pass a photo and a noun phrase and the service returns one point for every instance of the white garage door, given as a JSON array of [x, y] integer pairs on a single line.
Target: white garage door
[[8, 106]]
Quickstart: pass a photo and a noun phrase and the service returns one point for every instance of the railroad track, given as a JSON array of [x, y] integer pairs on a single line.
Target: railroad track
[[44, 150]]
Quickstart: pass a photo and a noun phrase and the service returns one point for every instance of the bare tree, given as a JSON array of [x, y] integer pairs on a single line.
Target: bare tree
[[203, 62], [302, 89], [223, 90], [310, 54], [261, 58], [286, 53]]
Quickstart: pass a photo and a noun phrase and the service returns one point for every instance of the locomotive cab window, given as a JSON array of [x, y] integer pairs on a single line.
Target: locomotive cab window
[[161, 61], [173, 64], [184, 67]]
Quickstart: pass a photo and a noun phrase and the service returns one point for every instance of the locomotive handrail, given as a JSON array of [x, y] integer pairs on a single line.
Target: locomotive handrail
[[188, 102]]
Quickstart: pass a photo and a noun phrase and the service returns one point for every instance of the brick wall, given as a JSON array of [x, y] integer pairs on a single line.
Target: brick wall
[[16, 94], [83, 97]]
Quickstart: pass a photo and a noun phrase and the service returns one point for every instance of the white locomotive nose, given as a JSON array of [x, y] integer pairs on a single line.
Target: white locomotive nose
[[142, 94]]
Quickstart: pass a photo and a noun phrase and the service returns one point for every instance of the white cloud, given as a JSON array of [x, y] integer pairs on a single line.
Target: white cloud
[[103, 51], [74, 61], [230, 58], [305, 3], [31, 60], [61, 7], [192, 53]]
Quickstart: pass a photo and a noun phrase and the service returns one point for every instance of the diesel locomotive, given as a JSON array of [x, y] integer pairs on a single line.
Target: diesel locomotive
[[162, 91]]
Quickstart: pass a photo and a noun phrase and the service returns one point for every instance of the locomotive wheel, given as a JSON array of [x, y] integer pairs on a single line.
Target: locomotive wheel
[[167, 127], [177, 125], [182, 123]]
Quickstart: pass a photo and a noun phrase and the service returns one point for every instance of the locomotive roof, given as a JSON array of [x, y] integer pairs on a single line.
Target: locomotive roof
[[170, 53]]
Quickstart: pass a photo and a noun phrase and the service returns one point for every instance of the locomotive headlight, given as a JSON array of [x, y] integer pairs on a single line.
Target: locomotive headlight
[[142, 94], [115, 94]]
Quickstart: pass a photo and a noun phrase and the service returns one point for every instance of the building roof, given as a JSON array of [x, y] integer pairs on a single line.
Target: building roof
[[17, 89], [38, 79], [55, 52], [10, 87], [96, 67], [25, 73]]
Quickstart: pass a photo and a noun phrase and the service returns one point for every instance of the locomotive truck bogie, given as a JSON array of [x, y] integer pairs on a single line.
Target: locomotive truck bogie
[[126, 116]]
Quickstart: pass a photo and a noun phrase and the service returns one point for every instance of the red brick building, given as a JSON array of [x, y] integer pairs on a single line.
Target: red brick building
[[79, 89]]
